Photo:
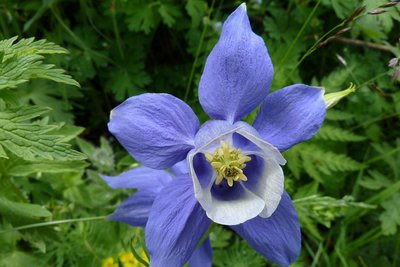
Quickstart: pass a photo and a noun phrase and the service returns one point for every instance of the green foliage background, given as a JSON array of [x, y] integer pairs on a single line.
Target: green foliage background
[[345, 182]]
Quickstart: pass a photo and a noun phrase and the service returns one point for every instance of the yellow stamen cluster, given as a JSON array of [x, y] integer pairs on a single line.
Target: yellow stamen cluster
[[128, 260], [228, 163], [109, 262]]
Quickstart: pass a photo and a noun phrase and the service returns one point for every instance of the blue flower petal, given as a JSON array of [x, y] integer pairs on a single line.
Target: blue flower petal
[[180, 168], [175, 226], [140, 178], [202, 256], [136, 209], [278, 238], [238, 71], [156, 129], [291, 115]]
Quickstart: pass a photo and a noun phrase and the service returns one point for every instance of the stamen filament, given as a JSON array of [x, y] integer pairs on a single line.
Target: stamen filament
[[228, 163]]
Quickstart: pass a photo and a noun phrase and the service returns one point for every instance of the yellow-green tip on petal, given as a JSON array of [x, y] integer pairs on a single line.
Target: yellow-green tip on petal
[[333, 98]]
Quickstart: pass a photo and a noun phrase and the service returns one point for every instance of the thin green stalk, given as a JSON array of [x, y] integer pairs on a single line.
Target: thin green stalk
[[116, 30], [362, 261], [204, 237], [5, 33], [377, 158], [314, 46], [396, 253], [79, 42], [372, 234], [377, 198], [134, 252], [395, 114], [289, 51], [317, 255], [91, 250], [43, 224], [136, 255], [203, 34], [360, 174], [341, 257]]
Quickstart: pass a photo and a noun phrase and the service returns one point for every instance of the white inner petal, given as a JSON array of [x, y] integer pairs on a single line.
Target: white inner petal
[[263, 199], [271, 185], [231, 212]]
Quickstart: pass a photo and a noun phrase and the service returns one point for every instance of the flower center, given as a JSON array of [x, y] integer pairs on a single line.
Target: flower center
[[228, 163]]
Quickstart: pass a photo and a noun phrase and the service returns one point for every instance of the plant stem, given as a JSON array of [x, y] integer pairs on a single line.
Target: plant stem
[[35, 225], [203, 34], [363, 44], [289, 51]]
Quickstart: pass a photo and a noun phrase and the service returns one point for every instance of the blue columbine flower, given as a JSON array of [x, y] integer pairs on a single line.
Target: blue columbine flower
[[234, 172], [136, 209]]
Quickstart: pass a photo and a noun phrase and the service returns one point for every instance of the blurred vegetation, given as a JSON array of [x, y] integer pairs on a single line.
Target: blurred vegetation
[[345, 182]]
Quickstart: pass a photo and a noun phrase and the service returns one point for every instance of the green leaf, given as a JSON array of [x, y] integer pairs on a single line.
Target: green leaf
[[12, 208], [342, 8], [338, 115], [25, 168], [68, 132], [18, 258], [132, 78], [196, 10], [329, 132], [376, 181], [43, 93], [141, 17], [102, 158], [239, 254], [32, 141], [169, 13], [324, 209], [293, 162], [23, 61], [220, 237], [3, 153], [390, 218], [318, 162]]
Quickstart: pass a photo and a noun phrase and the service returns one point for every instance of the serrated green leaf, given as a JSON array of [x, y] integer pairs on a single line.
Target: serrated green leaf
[[23, 113], [239, 254], [68, 132], [376, 181], [390, 218], [141, 17], [324, 209], [329, 132], [169, 13], [32, 141], [196, 9], [130, 80], [220, 237], [47, 71], [23, 61], [338, 115], [3, 153], [86, 147], [12, 208], [293, 162], [318, 162], [25, 168]]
